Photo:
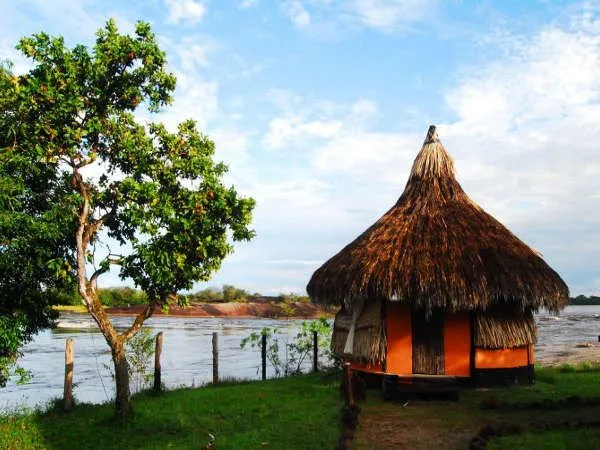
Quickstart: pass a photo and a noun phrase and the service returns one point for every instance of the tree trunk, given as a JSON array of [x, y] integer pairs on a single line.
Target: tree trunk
[[123, 409], [88, 291]]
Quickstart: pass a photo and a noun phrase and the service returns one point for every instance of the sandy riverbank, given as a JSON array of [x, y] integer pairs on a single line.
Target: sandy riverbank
[[266, 309], [570, 354]]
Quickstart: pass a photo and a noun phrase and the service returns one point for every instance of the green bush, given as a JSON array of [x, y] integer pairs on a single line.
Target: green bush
[[227, 293], [293, 298], [298, 350], [233, 294], [139, 351], [121, 296], [70, 297]]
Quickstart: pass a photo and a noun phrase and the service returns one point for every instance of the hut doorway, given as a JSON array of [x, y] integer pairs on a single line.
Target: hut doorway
[[428, 342]]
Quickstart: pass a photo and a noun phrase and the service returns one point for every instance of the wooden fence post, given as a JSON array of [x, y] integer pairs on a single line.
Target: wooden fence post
[[157, 368], [348, 384], [315, 351], [264, 356], [68, 390], [215, 351]]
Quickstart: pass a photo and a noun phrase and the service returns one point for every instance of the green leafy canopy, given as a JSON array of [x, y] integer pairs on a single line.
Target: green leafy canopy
[[160, 192]]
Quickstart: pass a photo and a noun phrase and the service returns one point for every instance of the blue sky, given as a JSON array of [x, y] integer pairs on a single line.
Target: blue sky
[[320, 106]]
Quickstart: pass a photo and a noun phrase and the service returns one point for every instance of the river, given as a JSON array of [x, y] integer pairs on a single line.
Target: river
[[186, 358]]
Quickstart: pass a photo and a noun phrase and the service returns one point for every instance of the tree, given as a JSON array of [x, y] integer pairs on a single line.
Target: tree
[[36, 256], [233, 294], [161, 192]]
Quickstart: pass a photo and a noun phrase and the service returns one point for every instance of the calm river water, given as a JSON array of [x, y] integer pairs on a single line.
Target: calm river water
[[186, 357]]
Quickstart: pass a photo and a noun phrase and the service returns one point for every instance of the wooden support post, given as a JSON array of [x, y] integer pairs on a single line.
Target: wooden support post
[[68, 391], [215, 349], [315, 351], [264, 356], [530, 370], [348, 384], [157, 368], [472, 350]]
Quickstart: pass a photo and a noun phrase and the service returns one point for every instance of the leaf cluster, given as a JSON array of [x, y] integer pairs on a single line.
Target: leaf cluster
[[36, 255], [75, 160], [160, 192]]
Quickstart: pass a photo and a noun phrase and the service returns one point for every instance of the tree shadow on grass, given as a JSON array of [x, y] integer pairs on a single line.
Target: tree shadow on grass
[[94, 427]]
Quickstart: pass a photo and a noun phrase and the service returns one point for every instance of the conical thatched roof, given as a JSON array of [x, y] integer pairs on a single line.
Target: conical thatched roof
[[436, 248]]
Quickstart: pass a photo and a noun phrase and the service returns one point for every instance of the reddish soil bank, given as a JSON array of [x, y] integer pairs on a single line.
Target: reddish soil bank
[[249, 309]]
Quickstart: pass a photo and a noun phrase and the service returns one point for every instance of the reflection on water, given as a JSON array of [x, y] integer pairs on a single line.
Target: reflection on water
[[187, 352]]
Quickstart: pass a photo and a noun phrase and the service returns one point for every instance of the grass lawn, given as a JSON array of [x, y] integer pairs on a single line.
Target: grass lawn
[[452, 425], [80, 309], [294, 413], [587, 439]]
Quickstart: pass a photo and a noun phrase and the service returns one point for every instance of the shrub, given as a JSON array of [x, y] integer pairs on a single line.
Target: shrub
[[121, 296], [228, 293], [140, 350], [296, 351]]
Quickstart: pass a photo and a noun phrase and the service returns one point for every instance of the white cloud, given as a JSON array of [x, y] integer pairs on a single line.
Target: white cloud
[[519, 122], [303, 122], [296, 12], [524, 138], [285, 130], [382, 15], [363, 154], [386, 15], [364, 108], [245, 4], [197, 91], [231, 145], [193, 54], [195, 98], [185, 10], [533, 117]]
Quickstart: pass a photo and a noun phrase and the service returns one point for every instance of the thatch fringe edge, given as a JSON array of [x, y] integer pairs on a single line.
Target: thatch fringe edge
[[496, 330], [369, 344]]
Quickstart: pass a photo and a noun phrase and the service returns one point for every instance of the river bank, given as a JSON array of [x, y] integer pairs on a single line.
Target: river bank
[[243, 310], [187, 357], [571, 354]]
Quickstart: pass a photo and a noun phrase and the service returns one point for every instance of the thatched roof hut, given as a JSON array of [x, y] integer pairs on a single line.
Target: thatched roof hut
[[436, 248], [457, 272]]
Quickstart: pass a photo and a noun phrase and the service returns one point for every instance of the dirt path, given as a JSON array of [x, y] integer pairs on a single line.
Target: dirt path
[[422, 425], [387, 426]]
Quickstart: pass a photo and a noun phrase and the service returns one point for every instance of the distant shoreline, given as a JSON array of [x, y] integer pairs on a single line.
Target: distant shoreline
[[250, 309], [574, 353]]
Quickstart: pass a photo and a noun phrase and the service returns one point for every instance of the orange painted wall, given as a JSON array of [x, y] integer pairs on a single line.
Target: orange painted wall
[[399, 339], [457, 344], [503, 358]]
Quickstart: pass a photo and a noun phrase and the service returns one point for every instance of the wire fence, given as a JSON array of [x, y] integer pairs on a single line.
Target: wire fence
[[186, 359]]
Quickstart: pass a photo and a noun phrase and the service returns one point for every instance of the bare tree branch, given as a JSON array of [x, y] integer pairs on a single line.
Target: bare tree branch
[[139, 321]]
